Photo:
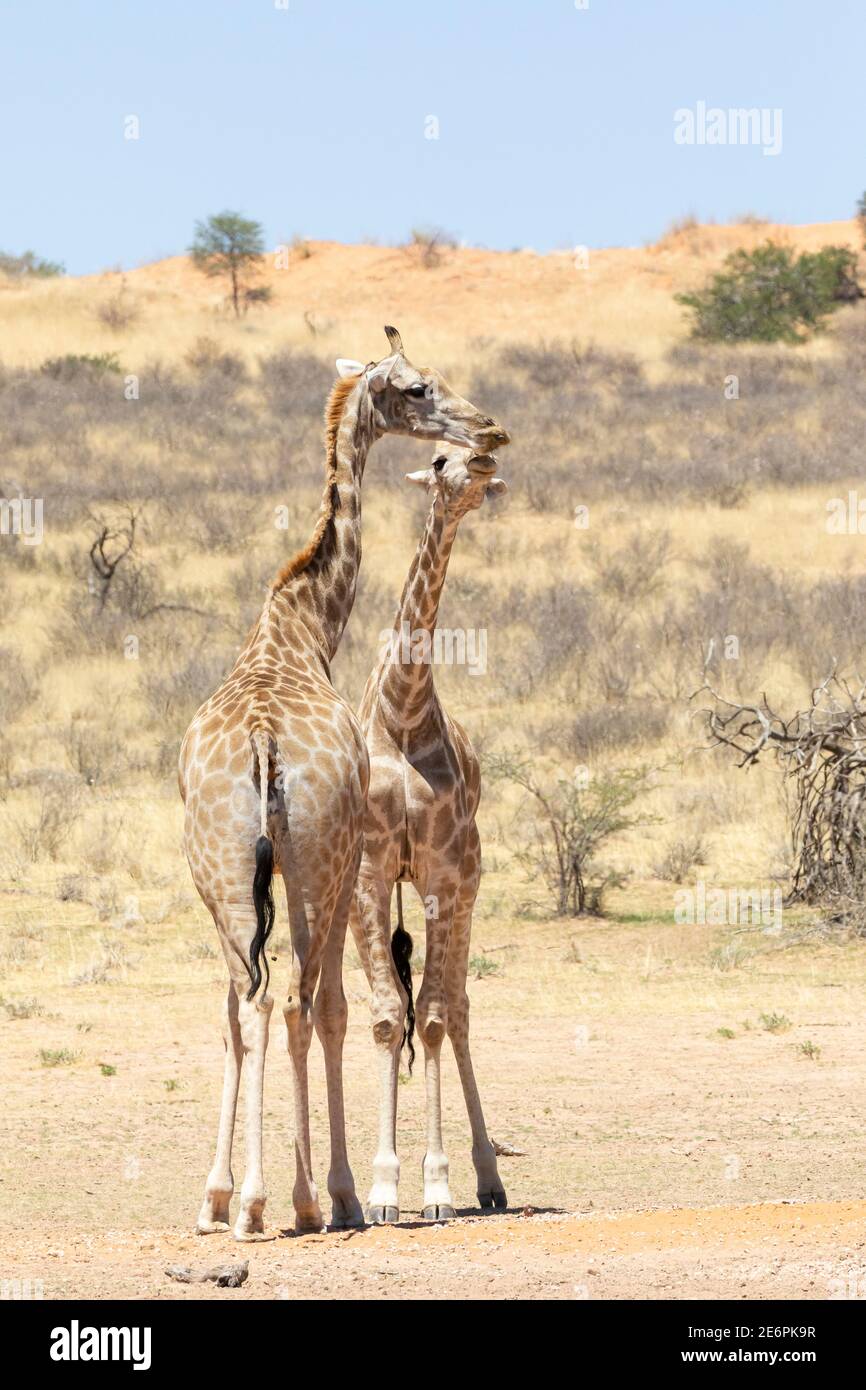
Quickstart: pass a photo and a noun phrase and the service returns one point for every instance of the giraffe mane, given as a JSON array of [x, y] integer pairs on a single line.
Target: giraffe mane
[[336, 404]]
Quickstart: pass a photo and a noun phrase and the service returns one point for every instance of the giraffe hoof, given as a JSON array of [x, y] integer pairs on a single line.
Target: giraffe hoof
[[347, 1216], [383, 1216], [440, 1212], [249, 1236], [211, 1228], [488, 1200], [344, 1223], [305, 1226]]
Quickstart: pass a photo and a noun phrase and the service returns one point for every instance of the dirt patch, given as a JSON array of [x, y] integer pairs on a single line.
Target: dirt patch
[[812, 1250], [674, 1143]]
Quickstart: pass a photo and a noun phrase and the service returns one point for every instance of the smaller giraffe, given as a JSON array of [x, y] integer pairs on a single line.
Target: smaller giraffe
[[273, 774], [420, 828]]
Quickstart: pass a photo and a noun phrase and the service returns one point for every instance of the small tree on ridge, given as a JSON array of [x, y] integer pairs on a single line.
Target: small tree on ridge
[[230, 245]]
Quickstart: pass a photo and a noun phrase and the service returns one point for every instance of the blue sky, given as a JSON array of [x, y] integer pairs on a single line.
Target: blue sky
[[555, 123]]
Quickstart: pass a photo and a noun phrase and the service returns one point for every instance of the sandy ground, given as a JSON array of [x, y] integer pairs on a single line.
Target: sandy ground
[[814, 1250], [663, 1158]]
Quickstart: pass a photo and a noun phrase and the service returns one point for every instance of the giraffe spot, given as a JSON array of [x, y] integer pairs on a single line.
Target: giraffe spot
[[443, 825]]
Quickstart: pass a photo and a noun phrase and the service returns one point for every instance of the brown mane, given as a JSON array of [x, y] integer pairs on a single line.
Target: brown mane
[[336, 404]]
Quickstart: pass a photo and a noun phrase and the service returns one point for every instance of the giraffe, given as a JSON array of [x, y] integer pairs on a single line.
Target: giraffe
[[420, 828], [273, 774]]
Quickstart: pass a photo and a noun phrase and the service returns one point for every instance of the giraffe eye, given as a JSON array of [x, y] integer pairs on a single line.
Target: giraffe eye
[[439, 464], [419, 389]]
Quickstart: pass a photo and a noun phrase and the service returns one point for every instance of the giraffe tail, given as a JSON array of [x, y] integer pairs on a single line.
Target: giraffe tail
[[263, 894], [401, 954]]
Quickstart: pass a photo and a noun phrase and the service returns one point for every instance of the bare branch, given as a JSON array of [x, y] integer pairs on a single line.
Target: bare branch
[[823, 749]]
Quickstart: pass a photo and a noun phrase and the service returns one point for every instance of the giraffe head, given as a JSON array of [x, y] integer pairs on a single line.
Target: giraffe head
[[459, 479], [418, 401]]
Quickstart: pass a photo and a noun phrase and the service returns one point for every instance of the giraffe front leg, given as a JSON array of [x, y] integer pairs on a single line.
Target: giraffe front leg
[[491, 1193], [371, 928], [214, 1214], [431, 1012], [438, 1205], [383, 1203]]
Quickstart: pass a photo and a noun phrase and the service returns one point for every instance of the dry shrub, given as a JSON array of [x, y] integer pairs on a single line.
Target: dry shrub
[[589, 733], [119, 311], [430, 245], [295, 384], [680, 857], [92, 750], [43, 831], [206, 356], [634, 570], [173, 695], [19, 686], [5, 766], [72, 888], [557, 365], [113, 964]]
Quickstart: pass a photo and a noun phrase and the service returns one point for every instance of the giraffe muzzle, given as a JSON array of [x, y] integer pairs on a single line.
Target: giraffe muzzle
[[482, 465], [491, 437]]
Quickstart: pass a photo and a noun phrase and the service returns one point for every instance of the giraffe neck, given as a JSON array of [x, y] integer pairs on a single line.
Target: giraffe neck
[[319, 584], [406, 689]]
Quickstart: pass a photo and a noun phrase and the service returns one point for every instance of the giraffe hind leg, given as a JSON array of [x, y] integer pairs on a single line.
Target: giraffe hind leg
[[330, 1014], [219, 1187], [246, 1023]]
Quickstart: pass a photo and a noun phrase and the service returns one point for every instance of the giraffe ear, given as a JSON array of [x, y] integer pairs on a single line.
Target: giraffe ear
[[497, 487], [379, 374], [421, 477], [347, 366]]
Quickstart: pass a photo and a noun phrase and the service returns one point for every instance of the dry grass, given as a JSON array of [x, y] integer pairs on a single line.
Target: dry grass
[[706, 522], [596, 635]]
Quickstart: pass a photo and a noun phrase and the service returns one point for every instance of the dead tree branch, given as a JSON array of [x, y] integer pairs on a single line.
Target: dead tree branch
[[110, 547], [823, 750]]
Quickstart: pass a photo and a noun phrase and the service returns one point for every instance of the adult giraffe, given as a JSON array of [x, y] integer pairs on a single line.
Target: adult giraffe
[[273, 774], [420, 828]]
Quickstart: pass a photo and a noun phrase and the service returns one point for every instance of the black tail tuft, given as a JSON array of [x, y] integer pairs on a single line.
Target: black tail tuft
[[401, 954], [263, 900]]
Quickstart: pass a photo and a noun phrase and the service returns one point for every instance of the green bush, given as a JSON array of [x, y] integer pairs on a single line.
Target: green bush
[[771, 295], [28, 264], [573, 817], [75, 364]]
